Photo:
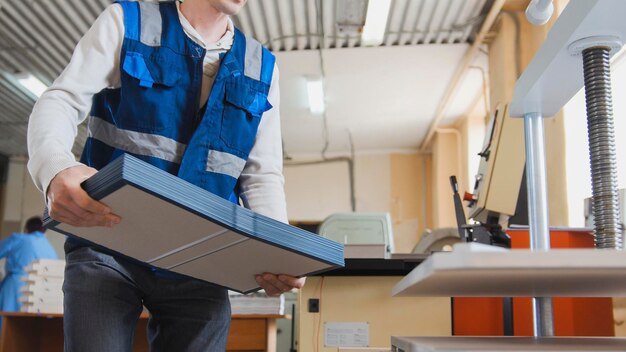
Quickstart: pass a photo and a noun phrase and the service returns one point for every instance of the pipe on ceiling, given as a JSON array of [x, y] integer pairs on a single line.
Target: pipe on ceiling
[[460, 73]]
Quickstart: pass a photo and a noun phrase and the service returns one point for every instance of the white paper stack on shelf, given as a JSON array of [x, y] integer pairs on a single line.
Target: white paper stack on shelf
[[42, 290], [256, 303]]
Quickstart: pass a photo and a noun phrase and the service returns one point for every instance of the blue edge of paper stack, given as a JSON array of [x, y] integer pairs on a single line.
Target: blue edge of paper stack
[[128, 170]]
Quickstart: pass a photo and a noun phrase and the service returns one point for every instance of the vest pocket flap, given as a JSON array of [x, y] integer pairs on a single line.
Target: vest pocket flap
[[247, 98], [148, 72], [164, 74]]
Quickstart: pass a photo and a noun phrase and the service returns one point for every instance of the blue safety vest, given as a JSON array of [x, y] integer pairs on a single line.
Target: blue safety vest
[[155, 114]]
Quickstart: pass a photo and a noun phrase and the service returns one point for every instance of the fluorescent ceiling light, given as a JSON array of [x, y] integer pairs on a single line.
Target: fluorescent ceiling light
[[32, 84], [315, 89], [375, 22]]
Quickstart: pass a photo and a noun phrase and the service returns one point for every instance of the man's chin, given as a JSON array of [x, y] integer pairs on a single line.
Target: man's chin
[[231, 7]]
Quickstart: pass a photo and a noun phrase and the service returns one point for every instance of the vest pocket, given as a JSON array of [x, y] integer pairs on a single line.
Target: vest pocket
[[151, 87], [150, 72], [243, 108]]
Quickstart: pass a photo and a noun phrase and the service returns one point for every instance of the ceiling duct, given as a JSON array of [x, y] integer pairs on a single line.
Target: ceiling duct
[[351, 16]]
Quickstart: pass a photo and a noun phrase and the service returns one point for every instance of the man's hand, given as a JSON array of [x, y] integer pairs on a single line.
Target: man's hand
[[274, 284], [70, 204]]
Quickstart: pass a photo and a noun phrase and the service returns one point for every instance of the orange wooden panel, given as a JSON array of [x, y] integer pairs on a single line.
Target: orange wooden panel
[[477, 316], [572, 316], [558, 239], [247, 335], [44, 332], [42, 335]]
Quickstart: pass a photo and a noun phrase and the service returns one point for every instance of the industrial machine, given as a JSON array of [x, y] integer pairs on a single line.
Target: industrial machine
[[364, 235], [500, 171], [576, 54], [489, 232]]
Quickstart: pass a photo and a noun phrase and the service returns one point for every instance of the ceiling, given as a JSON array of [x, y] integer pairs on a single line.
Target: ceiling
[[383, 97]]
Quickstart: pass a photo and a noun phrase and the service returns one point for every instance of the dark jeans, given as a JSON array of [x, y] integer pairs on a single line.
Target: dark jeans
[[105, 294]]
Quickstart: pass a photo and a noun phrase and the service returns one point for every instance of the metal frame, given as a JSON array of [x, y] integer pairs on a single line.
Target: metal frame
[[550, 81]]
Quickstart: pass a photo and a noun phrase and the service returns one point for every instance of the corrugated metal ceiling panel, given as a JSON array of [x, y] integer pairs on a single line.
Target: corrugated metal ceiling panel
[[285, 25]]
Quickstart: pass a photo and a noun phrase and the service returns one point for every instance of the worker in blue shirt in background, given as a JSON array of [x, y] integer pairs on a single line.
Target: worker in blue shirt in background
[[20, 249]]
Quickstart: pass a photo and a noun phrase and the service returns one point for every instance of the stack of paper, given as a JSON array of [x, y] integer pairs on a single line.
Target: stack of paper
[[173, 224], [256, 303], [42, 290]]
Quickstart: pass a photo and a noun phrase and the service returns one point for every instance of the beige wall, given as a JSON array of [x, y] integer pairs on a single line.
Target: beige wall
[[446, 162], [411, 196], [22, 201], [317, 191]]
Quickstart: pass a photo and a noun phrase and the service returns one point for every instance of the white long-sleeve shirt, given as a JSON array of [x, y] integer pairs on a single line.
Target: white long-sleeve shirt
[[95, 65]]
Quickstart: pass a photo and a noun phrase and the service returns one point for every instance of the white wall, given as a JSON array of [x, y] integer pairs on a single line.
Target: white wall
[[577, 158], [446, 162], [23, 200], [385, 96], [317, 191]]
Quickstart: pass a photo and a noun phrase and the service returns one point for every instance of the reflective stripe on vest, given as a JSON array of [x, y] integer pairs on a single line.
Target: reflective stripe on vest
[[151, 23], [146, 144], [225, 163], [144, 14], [253, 59]]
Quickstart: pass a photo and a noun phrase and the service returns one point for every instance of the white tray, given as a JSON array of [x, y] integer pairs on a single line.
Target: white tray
[[473, 270], [518, 344]]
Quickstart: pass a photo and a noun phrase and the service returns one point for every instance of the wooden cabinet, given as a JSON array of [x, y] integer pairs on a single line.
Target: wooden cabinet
[[23, 332]]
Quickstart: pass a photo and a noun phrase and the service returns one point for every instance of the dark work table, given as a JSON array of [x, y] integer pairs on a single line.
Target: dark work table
[[397, 265]]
